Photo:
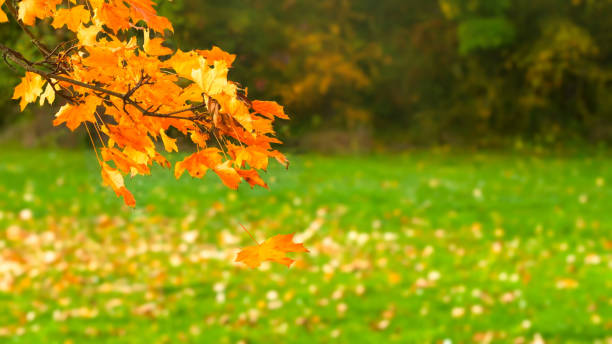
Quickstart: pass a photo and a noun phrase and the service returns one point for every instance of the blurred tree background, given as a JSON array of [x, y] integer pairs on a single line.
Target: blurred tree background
[[401, 73]]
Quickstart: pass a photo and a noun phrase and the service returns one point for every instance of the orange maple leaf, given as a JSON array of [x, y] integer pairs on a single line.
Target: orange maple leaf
[[269, 109], [123, 162], [115, 16], [198, 163], [143, 10], [29, 10], [228, 174], [252, 177], [154, 47], [71, 17], [273, 249], [75, 115], [113, 178], [256, 157], [216, 54]]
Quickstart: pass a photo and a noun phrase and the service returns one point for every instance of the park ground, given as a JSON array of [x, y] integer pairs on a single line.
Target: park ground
[[426, 246]]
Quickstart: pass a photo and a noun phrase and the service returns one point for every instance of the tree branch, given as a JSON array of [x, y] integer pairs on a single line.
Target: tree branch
[[18, 59], [43, 49]]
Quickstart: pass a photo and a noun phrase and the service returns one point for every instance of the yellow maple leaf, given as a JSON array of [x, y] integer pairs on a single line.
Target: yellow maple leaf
[[169, 143], [212, 81], [236, 108], [87, 35], [183, 63], [29, 10], [29, 89], [48, 95]]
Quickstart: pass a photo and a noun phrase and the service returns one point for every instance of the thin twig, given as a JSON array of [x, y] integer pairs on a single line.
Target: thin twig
[[43, 49]]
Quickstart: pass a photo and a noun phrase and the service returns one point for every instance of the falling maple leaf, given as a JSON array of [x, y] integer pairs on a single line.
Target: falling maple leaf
[[273, 249]]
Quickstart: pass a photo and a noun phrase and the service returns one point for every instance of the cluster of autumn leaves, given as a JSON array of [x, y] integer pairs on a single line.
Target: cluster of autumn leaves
[[241, 130], [127, 92]]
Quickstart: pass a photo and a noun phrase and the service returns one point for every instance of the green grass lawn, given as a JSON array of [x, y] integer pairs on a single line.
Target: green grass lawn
[[421, 247]]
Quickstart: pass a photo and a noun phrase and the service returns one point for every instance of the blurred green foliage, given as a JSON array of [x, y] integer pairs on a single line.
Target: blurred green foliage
[[484, 33], [417, 72]]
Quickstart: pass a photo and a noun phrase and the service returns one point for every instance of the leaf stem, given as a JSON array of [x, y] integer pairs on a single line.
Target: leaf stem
[[249, 233]]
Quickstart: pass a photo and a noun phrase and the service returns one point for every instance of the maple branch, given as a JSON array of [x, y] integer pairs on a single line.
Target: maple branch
[[43, 49], [103, 72], [17, 58], [193, 108]]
